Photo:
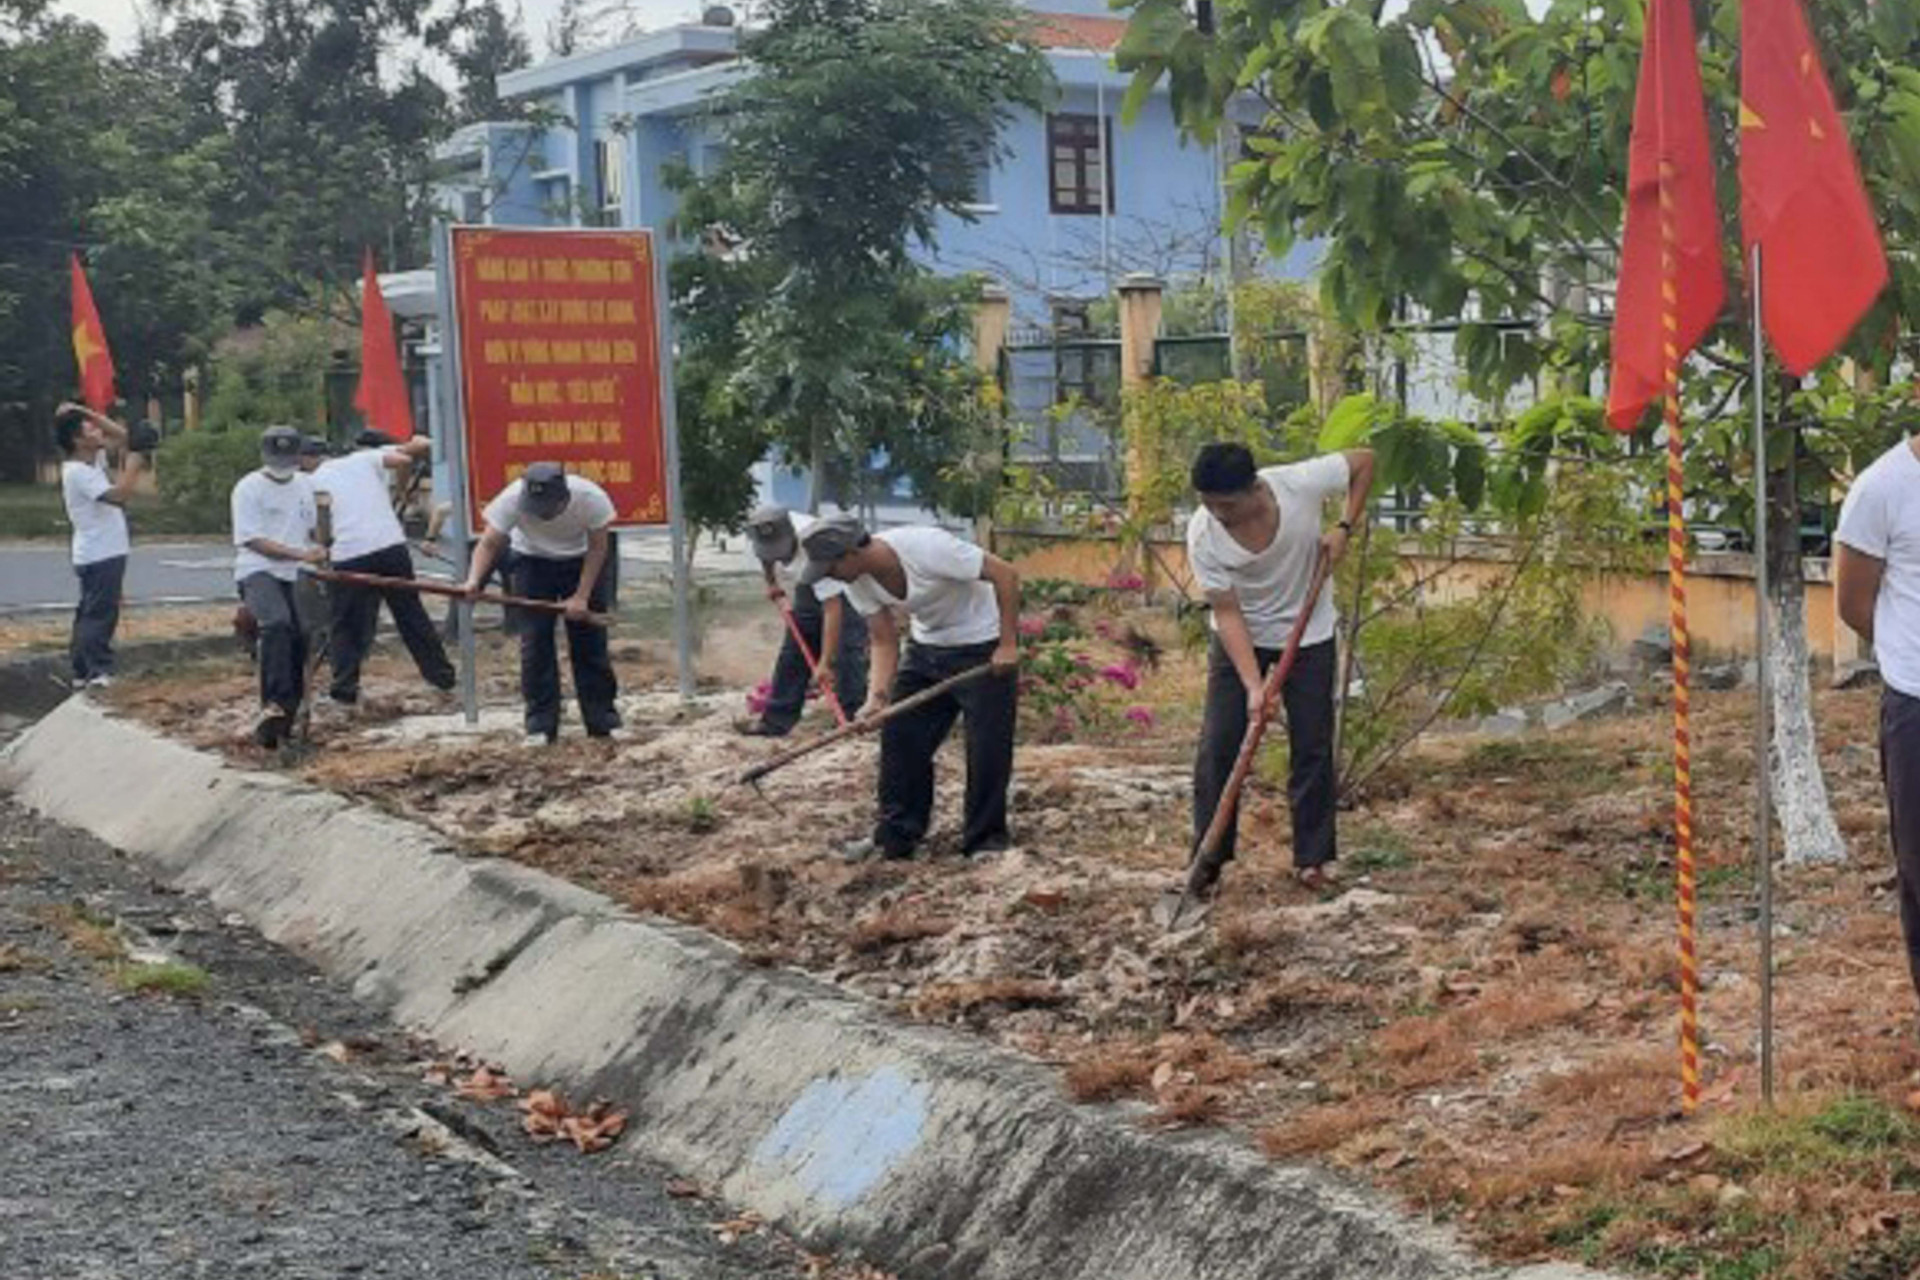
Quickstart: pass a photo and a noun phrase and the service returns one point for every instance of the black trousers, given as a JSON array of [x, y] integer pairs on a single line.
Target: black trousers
[[908, 744], [282, 646], [97, 618], [1900, 771], [1307, 695], [790, 674], [539, 578], [356, 617]]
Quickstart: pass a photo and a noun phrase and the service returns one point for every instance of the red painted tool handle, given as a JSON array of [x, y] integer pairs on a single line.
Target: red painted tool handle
[[813, 663]]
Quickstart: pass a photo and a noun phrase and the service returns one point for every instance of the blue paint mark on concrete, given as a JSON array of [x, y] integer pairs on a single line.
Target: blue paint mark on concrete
[[843, 1135]]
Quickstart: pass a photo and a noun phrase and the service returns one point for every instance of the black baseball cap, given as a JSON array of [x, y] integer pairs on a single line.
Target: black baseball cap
[[543, 490], [280, 445]]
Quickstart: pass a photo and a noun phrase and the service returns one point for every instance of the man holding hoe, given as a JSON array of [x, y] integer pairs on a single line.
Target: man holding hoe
[[775, 536], [963, 606], [1255, 546]]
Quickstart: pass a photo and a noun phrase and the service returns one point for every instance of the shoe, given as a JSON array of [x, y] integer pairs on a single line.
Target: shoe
[[866, 849], [539, 739], [272, 728], [1317, 878], [757, 728], [100, 682]]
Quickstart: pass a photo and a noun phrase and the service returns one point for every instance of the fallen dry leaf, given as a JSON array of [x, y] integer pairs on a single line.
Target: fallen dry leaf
[[1690, 1152], [681, 1189], [1045, 898], [486, 1084], [1162, 1077], [336, 1050]]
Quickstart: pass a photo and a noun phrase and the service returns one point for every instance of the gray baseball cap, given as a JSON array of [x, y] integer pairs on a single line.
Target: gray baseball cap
[[543, 490], [280, 446], [770, 533], [830, 538]]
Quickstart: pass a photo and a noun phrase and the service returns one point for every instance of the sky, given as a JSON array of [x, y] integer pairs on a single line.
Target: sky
[[121, 21]]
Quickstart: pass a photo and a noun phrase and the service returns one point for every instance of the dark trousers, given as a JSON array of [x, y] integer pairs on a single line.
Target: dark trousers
[[1900, 771], [94, 622], [791, 676], [356, 617], [539, 578], [908, 744], [1307, 695], [282, 646]]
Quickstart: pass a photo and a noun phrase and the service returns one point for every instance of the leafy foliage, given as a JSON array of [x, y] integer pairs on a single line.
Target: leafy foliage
[[863, 121]]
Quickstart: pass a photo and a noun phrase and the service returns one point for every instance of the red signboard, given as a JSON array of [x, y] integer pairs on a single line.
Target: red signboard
[[560, 362]]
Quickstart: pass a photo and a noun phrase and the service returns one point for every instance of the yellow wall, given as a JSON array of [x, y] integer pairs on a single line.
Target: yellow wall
[[1720, 612]]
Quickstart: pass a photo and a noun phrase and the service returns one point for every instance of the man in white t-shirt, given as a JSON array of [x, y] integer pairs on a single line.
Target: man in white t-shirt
[[1253, 546], [1877, 582], [274, 514], [368, 538], [94, 500], [963, 605], [775, 534], [559, 527]]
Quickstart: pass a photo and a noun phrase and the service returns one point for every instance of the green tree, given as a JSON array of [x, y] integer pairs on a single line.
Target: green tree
[[1465, 158], [862, 121]]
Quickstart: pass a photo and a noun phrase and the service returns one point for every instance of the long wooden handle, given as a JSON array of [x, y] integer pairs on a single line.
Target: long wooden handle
[[429, 587], [1216, 831], [855, 728]]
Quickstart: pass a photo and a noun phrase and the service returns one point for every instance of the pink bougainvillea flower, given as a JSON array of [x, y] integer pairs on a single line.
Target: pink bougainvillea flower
[[1103, 628], [1126, 582], [759, 697], [1141, 716], [1033, 628], [1122, 674]]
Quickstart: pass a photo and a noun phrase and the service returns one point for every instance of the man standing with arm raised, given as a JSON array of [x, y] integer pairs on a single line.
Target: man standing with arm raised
[[1254, 545], [95, 499], [963, 605]]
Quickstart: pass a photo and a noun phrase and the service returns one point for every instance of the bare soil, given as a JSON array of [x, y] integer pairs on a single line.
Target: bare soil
[[1480, 1017]]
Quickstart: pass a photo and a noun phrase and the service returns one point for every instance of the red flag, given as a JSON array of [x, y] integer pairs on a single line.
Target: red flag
[[1801, 198], [382, 397], [1670, 138], [90, 352]]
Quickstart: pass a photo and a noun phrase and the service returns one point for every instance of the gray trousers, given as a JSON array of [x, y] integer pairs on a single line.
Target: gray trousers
[[1308, 697], [1900, 771], [97, 618], [283, 640]]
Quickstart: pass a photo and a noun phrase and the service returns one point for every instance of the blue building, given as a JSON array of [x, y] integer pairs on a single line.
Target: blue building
[[1077, 199]]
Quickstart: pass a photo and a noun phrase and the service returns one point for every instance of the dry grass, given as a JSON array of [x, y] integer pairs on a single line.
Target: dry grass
[[93, 936], [894, 927], [17, 960], [1322, 1128], [1108, 1075], [1187, 1107], [938, 1001]]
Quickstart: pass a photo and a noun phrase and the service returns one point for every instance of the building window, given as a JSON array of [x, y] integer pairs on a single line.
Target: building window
[[1076, 355], [611, 181], [473, 206], [1075, 172]]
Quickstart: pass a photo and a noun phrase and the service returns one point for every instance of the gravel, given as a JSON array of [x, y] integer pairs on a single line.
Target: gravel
[[268, 1125]]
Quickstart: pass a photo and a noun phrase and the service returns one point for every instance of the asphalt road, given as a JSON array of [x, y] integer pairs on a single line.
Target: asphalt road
[[38, 576], [270, 1126]]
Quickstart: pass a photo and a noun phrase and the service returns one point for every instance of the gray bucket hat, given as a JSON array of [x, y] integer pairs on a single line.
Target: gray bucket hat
[[830, 538], [770, 533]]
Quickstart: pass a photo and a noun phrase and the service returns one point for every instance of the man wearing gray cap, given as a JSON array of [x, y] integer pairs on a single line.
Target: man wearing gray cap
[[559, 527], [775, 534], [274, 514], [964, 606]]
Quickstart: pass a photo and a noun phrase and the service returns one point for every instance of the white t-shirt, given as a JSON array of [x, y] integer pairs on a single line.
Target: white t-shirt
[[948, 601], [788, 574], [279, 511], [564, 536], [99, 528], [362, 504], [1271, 584], [1881, 518]]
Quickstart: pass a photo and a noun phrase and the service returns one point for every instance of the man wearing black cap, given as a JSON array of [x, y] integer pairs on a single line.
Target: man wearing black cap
[[368, 538], [964, 606], [775, 534], [559, 527], [273, 519]]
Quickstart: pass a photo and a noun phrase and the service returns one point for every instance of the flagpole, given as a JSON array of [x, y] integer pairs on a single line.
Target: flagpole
[[1682, 656], [1762, 726]]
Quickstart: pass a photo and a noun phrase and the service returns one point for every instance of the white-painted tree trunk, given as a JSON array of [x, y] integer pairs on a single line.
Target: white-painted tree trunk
[[1800, 803]]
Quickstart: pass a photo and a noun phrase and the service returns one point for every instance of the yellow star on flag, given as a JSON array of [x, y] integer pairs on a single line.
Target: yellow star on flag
[[1749, 118], [84, 347]]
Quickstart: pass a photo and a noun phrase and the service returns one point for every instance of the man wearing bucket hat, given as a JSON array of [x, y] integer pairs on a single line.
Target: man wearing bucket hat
[[274, 514], [774, 534], [963, 606], [559, 528]]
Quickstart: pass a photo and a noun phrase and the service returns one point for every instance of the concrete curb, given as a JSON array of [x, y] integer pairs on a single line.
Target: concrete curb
[[924, 1150]]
